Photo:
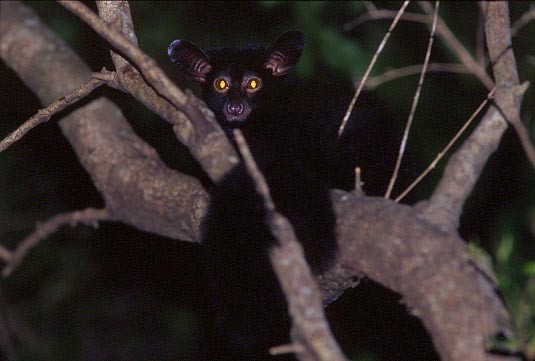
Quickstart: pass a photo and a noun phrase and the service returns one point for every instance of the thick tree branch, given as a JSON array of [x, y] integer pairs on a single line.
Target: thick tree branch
[[509, 92], [394, 245], [137, 187], [198, 130]]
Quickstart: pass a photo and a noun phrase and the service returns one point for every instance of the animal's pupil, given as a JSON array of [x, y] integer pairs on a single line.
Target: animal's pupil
[[253, 84], [222, 84]]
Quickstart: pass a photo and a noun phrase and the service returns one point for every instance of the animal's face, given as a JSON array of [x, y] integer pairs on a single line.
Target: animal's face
[[236, 81], [234, 92], [235, 97]]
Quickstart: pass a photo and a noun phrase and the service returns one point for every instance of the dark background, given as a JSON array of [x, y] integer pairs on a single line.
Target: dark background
[[115, 293]]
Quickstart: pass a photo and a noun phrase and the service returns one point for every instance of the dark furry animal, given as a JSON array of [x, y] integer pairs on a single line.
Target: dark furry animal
[[291, 129]]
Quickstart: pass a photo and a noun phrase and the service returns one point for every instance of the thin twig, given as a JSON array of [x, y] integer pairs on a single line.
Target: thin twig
[[521, 131], [370, 66], [147, 65], [464, 167], [5, 254], [523, 21], [447, 147], [358, 183], [261, 185], [390, 75], [414, 104], [286, 349], [89, 216], [442, 30], [198, 130], [480, 39], [311, 336], [369, 5], [43, 115], [459, 48], [377, 14]]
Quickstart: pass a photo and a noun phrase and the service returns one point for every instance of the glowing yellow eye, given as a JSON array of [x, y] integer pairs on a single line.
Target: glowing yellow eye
[[221, 84], [254, 84]]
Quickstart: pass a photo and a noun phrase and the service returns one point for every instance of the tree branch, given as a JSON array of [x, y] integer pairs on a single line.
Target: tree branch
[[43, 115], [443, 152], [310, 330], [442, 30], [370, 66], [212, 151], [394, 245], [138, 189], [465, 166], [216, 159], [526, 18], [415, 100], [89, 216], [393, 74]]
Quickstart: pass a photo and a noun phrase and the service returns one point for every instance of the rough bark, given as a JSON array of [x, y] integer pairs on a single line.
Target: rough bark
[[136, 186]]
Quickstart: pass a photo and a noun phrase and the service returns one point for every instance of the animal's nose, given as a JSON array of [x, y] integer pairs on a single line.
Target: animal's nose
[[235, 108]]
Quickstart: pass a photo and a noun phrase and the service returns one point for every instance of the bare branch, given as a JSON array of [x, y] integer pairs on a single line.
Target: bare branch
[[442, 30], [480, 39], [310, 329], [89, 216], [213, 151], [358, 183], [216, 159], [5, 254], [374, 81], [43, 115], [446, 148], [522, 132], [458, 48], [370, 66], [509, 92], [526, 18], [440, 283], [138, 189], [146, 64], [372, 13], [414, 104], [465, 166]]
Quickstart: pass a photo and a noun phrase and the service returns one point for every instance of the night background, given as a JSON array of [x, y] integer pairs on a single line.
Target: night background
[[116, 293]]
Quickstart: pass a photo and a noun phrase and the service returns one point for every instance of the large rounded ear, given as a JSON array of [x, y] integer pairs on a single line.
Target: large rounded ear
[[285, 53], [192, 62]]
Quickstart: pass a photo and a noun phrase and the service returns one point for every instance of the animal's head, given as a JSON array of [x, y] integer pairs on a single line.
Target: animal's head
[[235, 81]]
